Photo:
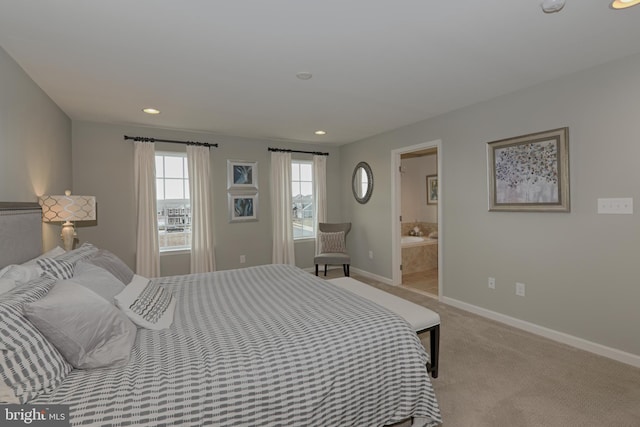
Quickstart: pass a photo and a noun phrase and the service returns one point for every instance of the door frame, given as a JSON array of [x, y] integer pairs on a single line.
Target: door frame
[[396, 208]]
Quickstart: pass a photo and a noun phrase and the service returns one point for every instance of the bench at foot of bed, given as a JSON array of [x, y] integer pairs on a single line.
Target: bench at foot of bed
[[421, 318]]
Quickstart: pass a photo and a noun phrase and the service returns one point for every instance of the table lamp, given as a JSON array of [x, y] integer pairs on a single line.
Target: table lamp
[[65, 209]]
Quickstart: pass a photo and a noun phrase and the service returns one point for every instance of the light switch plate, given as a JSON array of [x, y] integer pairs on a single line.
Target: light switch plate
[[622, 205]]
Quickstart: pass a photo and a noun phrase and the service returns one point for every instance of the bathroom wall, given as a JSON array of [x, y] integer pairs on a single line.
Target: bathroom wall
[[425, 227], [417, 213], [414, 189], [417, 259]]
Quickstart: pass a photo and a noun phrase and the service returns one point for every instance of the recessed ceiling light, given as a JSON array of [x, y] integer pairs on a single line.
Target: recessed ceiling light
[[151, 110], [551, 6], [304, 75], [623, 4], [320, 132]]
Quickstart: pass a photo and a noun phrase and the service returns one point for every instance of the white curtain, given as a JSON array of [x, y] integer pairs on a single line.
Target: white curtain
[[320, 191], [202, 247], [147, 246], [282, 205]]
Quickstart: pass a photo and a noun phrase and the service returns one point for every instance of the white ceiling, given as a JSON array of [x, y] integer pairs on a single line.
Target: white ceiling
[[228, 67]]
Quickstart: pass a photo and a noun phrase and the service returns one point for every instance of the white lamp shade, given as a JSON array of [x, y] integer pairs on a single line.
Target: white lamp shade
[[68, 208]]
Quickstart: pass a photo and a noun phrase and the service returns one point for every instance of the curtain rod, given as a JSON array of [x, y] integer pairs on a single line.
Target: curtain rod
[[144, 139], [284, 150]]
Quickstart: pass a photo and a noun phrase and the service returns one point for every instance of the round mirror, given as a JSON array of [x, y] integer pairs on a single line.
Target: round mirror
[[362, 182]]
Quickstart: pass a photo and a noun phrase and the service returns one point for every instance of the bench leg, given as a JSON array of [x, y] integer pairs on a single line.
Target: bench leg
[[316, 269], [434, 341], [325, 269]]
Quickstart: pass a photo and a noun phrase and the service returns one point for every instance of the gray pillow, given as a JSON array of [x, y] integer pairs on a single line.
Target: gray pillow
[[114, 265], [98, 280], [29, 364], [86, 330], [55, 268], [332, 242]]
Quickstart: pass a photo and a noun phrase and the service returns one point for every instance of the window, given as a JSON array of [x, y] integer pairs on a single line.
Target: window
[[303, 199], [174, 207]]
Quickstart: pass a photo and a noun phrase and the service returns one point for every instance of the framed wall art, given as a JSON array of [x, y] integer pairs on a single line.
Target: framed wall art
[[530, 172], [432, 189], [243, 207], [242, 175]]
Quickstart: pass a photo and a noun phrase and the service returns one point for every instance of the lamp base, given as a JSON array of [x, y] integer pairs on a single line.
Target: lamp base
[[68, 235]]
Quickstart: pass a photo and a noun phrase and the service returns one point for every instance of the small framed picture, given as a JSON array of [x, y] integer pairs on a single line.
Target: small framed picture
[[432, 189], [242, 175], [530, 173], [243, 207]]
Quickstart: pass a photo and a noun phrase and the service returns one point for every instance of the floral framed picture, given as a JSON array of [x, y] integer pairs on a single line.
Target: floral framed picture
[[530, 172], [432, 189], [242, 175], [243, 207]]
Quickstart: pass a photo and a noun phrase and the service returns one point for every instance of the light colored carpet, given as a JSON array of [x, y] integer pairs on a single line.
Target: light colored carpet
[[494, 375]]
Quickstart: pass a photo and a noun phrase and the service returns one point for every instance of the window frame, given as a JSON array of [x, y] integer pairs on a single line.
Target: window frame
[[298, 162], [185, 202]]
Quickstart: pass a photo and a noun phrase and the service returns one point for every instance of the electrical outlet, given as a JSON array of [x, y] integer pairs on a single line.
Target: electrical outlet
[[492, 282], [370, 254], [243, 259], [520, 289]]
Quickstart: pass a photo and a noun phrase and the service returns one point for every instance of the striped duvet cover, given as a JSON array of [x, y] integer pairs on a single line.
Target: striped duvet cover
[[263, 346]]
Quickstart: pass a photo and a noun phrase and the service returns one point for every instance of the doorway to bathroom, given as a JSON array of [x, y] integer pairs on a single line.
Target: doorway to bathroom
[[417, 221]]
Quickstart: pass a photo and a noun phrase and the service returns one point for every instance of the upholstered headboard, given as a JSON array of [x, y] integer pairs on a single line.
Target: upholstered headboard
[[20, 232]]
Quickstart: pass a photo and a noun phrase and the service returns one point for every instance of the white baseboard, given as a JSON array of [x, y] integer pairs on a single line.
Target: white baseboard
[[364, 273], [582, 344], [312, 270], [372, 276]]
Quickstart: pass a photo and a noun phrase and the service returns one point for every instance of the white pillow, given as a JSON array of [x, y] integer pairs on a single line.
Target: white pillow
[[20, 274], [98, 280], [85, 251], [6, 285], [148, 305], [25, 272], [49, 254], [87, 330]]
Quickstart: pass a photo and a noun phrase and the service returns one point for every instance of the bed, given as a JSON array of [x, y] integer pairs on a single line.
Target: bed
[[269, 345]]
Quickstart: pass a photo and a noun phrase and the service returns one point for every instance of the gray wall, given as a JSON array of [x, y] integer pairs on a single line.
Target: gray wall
[[103, 166], [35, 143], [580, 268]]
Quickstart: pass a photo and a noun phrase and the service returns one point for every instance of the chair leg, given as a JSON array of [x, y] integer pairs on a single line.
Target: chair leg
[[345, 269], [316, 269], [325, 269]]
